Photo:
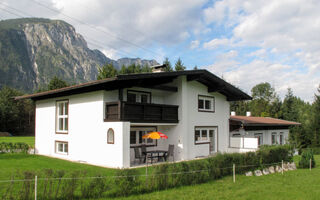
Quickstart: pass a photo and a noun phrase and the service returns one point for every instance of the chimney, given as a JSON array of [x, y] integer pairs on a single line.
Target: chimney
[[158, 68], [248, 114], [233, 113]]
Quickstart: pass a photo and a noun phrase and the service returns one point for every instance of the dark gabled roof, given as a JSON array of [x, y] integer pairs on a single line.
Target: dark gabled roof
[[214, 84], [262, 121]]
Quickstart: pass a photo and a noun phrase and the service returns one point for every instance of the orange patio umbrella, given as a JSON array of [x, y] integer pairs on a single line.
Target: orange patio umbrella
[[155, 135]]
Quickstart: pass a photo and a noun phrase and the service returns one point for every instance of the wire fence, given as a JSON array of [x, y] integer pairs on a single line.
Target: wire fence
[[42, 187]]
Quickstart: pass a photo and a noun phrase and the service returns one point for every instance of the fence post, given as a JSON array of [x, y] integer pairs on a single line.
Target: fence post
[[234, 173], [35, 187], [310, 164], [147, 173], [282, 167]]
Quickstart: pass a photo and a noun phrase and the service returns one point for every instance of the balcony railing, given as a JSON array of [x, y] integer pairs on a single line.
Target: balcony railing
[[141, 112]]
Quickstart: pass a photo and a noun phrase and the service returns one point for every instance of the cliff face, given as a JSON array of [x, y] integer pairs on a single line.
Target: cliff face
[[32, 51]]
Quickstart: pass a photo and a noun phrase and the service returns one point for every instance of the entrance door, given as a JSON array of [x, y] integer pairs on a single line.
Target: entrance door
[[213, 140]]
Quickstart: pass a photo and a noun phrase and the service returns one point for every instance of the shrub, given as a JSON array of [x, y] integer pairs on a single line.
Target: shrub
[[305, 159], [126, 181], [8, 147], [94, 188]]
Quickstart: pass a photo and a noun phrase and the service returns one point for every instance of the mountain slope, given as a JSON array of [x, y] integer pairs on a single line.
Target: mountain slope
[[33, 50]]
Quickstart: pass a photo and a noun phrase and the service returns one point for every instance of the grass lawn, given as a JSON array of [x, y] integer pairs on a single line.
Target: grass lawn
[[298, 184], [26, 139], [11, 163]]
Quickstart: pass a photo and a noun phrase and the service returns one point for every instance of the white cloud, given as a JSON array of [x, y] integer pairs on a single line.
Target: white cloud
[[215, 43], [194, 44]]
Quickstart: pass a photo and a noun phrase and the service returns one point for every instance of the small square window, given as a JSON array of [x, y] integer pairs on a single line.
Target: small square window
[[61, 147], [205, 103]]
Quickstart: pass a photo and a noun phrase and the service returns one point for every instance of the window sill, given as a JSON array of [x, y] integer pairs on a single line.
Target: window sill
[[206, 142], [59, 132], [211, 111]]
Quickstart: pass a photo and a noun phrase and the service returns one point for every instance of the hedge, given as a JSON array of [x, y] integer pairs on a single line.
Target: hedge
[[9, 147], [133, 181]]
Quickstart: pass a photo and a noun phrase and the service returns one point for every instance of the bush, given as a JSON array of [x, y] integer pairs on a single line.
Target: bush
[[305, 159], [316, 150], [126, 181], [8, 147]]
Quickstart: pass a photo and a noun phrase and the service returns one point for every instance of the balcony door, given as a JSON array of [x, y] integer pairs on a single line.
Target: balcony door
[[136, 134]]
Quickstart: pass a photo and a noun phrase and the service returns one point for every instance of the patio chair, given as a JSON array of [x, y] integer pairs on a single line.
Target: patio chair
[[137, 155], [170, 153], [144, 152]]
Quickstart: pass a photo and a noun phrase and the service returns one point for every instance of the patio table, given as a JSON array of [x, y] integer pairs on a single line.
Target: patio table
[[156, 154]]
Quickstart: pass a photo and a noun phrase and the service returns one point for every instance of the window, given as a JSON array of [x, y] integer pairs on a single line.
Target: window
[[62, 108], [274, 138], [110, 136], [203, 134], [61, 147], [138, 96], [205, 103], [137, 133], [281, 138], [260, 138]]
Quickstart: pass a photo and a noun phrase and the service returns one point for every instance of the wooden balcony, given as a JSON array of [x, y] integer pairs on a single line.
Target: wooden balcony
[[141, 112]]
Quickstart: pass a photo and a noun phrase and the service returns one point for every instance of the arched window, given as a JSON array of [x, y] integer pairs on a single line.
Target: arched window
[[110, 136]]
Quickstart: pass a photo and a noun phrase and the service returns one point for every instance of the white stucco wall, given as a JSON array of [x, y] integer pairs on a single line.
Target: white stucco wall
[[87, 134], [267, 135]]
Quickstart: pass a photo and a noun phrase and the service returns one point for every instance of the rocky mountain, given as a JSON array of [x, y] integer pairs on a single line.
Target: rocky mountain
[[33, 50]]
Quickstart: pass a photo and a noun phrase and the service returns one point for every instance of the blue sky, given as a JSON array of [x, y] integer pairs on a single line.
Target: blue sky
[[245, 42]]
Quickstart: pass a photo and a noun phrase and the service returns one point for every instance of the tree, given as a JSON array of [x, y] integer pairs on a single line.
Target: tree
[[179, 65], [146, 68], [107, 71], [263, 96], [168, 67], [316, 118], [16, 117], [123, 70], [289, 110], [56, 83]]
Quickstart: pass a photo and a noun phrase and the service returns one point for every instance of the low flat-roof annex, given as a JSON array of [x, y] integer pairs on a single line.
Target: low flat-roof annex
[[214, 84]]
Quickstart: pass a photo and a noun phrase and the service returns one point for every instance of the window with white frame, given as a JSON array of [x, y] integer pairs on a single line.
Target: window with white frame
[[138, 96], [274, 138], [62, 116], [61, 147], [203, 134], [136, 136], [206, 103]]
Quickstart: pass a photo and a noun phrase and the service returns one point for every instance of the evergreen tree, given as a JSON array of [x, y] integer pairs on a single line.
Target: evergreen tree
[[168, 67], [56, 83], [179, 65], [123, 70], [316, 119], [146, 68], [107, 71]]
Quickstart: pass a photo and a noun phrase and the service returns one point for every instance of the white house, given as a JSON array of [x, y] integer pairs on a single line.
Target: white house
[[100, 122], [247, 133]]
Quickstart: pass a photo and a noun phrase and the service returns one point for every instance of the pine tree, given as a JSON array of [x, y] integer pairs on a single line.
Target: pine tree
[[168, 67], [107, 71], [57, 83], [179, 65], [316, 118]]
